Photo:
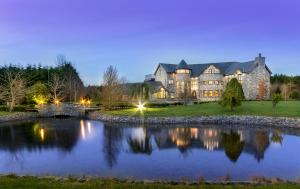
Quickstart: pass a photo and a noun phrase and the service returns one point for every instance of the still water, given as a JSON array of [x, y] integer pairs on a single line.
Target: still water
[[85, 147]]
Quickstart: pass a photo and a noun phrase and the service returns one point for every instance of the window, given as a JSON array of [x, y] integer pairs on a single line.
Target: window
[[204, 82], [205, 93], [216, 93], [239, 77], [210, 82], [171, 81], [180, 87], [210, 93], [194, 84], [172, 95], [161, 93], [183, 71], [216, 82]]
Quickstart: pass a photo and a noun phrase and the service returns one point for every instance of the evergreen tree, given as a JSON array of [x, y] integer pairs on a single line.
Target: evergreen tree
[[233, 94]]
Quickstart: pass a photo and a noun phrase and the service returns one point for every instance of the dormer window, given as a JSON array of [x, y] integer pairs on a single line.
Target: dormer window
[[212, 70], [183, 71]]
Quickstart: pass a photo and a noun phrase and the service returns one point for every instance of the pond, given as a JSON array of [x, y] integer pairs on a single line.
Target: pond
[[85, 147]]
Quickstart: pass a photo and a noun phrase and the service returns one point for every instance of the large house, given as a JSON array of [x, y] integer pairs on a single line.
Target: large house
[[206, 82]]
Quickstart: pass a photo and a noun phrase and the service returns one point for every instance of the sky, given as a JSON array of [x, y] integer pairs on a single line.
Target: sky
[[135, 35]]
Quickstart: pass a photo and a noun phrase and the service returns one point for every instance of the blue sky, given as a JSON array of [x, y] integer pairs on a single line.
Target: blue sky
[[135, 35]]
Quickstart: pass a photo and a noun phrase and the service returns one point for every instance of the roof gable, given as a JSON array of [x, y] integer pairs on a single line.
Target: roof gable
[[226, 68]]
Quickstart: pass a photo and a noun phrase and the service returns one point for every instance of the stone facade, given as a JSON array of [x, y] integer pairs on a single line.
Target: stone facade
[[206, 82]]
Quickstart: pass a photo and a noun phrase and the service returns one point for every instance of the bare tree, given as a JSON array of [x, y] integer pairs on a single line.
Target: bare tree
[[56, 87], [112, 89], [12, 87]]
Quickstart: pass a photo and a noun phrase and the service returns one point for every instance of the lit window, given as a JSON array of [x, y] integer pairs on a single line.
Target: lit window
[[205, 93], [210, 93], [210, 82], [204, 82], [183, 71], [216, 93], [171, 81], [194, 85], [216, 82]]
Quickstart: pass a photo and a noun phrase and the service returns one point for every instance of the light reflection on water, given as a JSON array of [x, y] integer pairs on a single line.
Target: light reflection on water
[[76, 147]]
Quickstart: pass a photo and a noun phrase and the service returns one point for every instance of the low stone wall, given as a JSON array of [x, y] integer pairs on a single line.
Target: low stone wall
[[18, 116], [241, 120], [64, 109]]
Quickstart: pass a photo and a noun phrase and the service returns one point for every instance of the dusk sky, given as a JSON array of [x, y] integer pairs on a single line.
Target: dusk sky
[[134, 35]]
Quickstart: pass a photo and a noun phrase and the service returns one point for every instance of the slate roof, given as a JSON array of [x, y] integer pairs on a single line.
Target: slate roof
[[182, 65], [154, 86], [226, 68]]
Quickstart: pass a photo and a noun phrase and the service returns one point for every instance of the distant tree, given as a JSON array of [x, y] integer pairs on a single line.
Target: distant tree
[[38, 93], [262, 90], [73, 85], [12, 87], [111, 87], [294, 95], [233, 94], [276, 98], [278, 90], [56, 87]]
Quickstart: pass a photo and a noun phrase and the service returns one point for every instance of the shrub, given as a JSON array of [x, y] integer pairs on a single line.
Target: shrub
[[38, 93], [276, 98], [294, 95], [18, 108]]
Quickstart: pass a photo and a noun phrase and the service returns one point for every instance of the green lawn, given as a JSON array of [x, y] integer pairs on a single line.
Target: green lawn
[[261, 108], [35, 183], [4, 113]]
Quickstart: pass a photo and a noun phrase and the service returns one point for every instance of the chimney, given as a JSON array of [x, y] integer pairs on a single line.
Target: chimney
[[260, 60]]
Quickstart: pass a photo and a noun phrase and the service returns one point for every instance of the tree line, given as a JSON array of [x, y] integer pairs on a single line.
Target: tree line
[[25, 85]]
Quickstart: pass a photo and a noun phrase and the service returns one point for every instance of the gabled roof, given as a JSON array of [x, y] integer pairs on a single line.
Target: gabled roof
[[182, 65], [226, 68]]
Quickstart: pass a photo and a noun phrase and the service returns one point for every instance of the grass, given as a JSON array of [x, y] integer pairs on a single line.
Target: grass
[[260, 108], [2, 113], [9, 182]]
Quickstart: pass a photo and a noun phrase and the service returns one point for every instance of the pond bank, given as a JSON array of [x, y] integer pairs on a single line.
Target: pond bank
[[232, 119], [16, 116], [12, 181]]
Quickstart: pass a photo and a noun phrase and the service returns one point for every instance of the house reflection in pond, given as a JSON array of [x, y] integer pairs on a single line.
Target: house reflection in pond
[[211, 139], [232, 143]]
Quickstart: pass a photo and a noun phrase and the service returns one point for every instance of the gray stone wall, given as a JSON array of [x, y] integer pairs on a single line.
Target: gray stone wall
[[210, 77], [64, 109], [252, 80], [18, 116], [180, 77], [162, 76], [250, 121]]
